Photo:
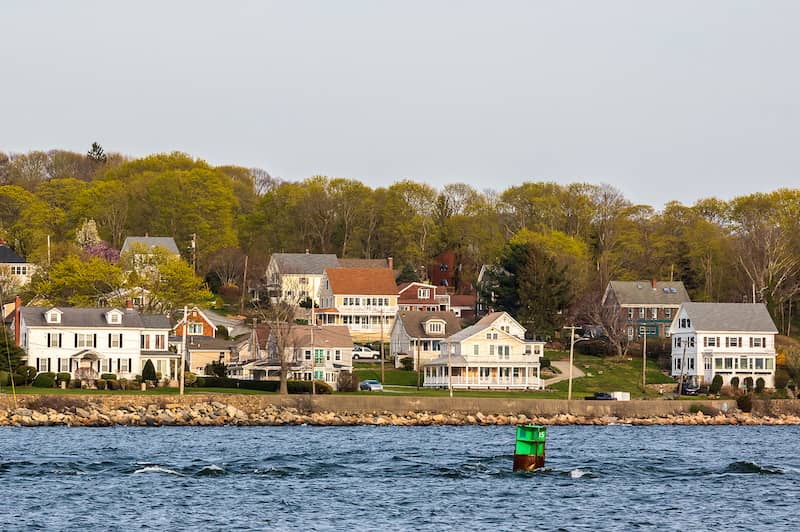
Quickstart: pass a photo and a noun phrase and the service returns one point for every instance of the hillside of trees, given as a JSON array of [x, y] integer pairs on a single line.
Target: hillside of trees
[[584, 234]]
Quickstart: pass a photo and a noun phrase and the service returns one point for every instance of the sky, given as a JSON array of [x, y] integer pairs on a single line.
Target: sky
[[675, 100]]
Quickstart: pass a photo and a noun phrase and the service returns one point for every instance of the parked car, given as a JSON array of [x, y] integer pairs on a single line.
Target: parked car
[[361, 351], [690, 389], [600, 396], [370, 385]]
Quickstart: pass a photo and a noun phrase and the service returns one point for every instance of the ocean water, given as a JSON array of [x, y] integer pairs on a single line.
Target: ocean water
[[397, 478]]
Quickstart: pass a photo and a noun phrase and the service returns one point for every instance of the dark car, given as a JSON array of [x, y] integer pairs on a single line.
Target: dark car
[[600, 396], [689, 389]]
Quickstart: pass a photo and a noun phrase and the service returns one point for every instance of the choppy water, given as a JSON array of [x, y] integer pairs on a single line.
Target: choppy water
[[397, 478]]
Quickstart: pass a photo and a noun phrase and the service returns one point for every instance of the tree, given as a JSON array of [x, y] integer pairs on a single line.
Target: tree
[[280, 320], [227, 265], [217, 369], [11, 356], [149, 371], [96, 153], [87, 234], [9, 283], [530, 286], [77, 282]]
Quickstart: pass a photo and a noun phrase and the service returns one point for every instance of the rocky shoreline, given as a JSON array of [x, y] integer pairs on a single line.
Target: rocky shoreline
[[215, 413]]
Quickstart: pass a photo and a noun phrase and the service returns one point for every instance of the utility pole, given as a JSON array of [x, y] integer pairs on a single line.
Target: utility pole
[[644, 359], [185, 348], [313, 354], [571, 351], [383, 371], [419, 369], [244, 288], [683, 366]]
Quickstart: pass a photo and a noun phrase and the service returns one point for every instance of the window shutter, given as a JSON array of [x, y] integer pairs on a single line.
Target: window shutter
[[120, 340], [751, 341], [740, 342], [59, 340], [705, 341], [38, 365], [118, 365], [719, 344], [130, 364], [48, 364], [59, 360], [94, 340], [109, 339], [48, 339], [76, 340]]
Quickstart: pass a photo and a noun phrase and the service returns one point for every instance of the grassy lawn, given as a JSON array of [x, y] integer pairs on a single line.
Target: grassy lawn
[[30, 390], [399, 377]]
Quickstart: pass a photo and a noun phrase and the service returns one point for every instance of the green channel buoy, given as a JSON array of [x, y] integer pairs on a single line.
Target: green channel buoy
[[529, 449]]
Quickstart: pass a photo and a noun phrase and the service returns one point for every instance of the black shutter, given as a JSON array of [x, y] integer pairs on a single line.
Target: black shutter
[[76, 340], [109, 339], [94, 340], [48, 365], [130, 365], [117, 365], [59, 340], [120, 340], [48, 340]]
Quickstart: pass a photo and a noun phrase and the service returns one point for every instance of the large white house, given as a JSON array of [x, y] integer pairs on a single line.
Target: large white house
[[87, 342], [734, 340], [492, 354], [293, 277]]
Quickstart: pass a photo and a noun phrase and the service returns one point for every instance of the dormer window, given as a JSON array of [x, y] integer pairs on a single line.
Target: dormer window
[[114, 317], [424, 293], [434, 326], [54, 316]]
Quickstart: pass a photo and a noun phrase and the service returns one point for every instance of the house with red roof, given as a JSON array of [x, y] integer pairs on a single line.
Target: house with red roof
[[363, 299], [422, 296]]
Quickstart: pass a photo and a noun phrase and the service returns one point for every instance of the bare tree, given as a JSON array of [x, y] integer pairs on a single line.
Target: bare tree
[[610, 317], [228, 265], [280, 319], [263, 181]]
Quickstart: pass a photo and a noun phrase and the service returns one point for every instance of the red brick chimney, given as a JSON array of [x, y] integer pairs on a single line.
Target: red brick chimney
[[17, 327], [654, 284], [390, 262]]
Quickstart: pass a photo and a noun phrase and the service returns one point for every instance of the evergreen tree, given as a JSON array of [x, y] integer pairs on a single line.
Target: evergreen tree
[[96, 153], [149, 371], [10, 355]]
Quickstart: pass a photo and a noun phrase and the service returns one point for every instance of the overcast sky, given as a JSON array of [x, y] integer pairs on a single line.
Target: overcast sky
[[670, 100]]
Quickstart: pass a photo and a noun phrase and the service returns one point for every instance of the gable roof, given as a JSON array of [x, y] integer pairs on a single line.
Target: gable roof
[[643, 293], [326, 336], [462, 300], [483, 323], [7, 256], [413, 322], [363, 263], [166, 242], [304, 263], [734, 317], [90, 317], [362, 281]]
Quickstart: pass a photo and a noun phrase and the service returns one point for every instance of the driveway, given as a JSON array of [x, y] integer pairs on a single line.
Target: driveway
[[563, 367]]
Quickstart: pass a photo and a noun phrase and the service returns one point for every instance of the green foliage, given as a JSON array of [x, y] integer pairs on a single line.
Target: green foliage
[[76, 282], [189, 378], [45, 380], [5, 378], [24, 375], [760, 385], [407, 363], [735, 383], [347, 382], [63, 377], [745, 402], [545, 362], [108, 376], [781, 378], [9, 352], [101, 384], [716, 385], [217, 369], [224, 382], [149, 371], [322, 388]]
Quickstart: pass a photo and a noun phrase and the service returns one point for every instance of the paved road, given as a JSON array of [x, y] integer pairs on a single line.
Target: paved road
[[563, 366]]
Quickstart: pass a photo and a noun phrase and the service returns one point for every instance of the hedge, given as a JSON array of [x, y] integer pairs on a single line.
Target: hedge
[[45, 380], [264, 386], [63, 377]]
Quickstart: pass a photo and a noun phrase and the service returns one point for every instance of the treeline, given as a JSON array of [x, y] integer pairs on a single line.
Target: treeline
[[721, 250]]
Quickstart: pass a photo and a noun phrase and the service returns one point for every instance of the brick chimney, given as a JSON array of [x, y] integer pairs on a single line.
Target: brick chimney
[[390, 262], [654, 284], [129, 304], [17, 326]]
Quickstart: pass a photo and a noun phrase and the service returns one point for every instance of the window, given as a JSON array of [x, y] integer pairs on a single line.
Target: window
[[43, 363], [488, 336], [491, 349], [709, 341], [757, 341], [630, 314], [105, 365], [654, 313], [337, 355], [642, 313], [53, 339], [144, 341], [303, 280], [319, 356], [123, 365], [54, 317], [678, 342], [691, 341], [759, 363], [744, 363], [728, 363], [733, 341], [19, 270], [476, 349], [717, 363], [308, 354], [435, 327], [691, 363], [160, 341], [114, 318], [84, 340], [707, 363], [115, 340], [667, 313], [677, 363], [630, 333], [769, 363], [195, 328], [424, 293]]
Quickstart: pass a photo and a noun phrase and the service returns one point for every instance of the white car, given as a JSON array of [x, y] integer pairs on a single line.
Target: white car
[[360, 351]]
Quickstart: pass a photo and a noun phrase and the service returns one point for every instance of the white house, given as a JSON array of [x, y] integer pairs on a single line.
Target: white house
[[87, 342], [14, 271], [292, 277], [419, 334], [312, 353], [363, 299], [492, 354], [727, 339]]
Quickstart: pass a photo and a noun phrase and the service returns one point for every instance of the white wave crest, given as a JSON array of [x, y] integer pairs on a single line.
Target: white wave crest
[[576, 473], [157, 469]]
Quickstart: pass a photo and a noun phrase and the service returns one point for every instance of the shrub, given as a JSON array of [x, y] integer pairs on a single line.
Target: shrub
[[716, 385], [347, 382], [123, 384], [45, 379], [745, 402], [735, 383], [63, 377], [748, 383], [596, 347], [76, 383], [407, 363], [5, 378], [760, 385], [101, 384], [24, 375], [781, 378], [108, 376], [149, 371], [544, 363], [218, 369], [189, 378], [59, 403], [112, 384], [322, 388]]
